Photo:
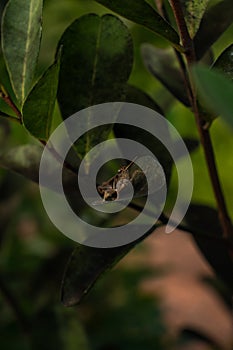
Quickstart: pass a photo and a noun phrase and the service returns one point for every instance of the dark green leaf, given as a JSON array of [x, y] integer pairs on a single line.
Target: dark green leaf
[[191, 144], [204, 224], [214, 23], [190, 334], [21, 35], [39, 105], [93, 70], [149, 141], [86, 265], [142, 13], [193, 12], [25, 160], [137, 96], [161, 63], [225, 62], [216, 91], [5, 85]]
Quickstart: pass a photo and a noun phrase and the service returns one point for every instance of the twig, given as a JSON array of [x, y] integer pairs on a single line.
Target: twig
[[204, 133], [58, 157], [4, 95]]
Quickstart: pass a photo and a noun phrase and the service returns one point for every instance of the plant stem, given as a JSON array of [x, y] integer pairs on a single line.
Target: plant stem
[[4, 95], [57, 156], [205, 138]]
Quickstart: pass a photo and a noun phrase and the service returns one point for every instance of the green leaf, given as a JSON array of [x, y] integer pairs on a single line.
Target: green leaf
[[192, 335], [21, 36], [86, 265], [39, 105], [93, 69], [206, 229], [191, 144], [5, 85], [216, 91], [162, 64], [137, 96], [142, 13], [225, 62], [149, 141], [193, 12], [214, 23], [25, 160]]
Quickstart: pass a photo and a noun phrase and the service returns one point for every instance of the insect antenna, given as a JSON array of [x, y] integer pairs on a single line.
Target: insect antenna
[[130, 164]]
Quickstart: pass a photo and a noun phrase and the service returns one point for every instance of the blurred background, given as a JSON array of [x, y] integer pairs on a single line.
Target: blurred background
[[158, 297]]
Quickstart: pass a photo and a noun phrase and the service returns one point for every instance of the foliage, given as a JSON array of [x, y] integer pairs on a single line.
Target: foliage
[[112, 50]]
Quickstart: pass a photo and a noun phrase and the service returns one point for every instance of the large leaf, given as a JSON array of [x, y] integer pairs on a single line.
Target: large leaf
[[214, 23], [142, 13], [93, 69], [206, 229], [86, 265], [39, 105], [216, 90], [161, 63], [25, 160], [21, 35], [193, 12], [149, 141], [96, 62], [225, 62]]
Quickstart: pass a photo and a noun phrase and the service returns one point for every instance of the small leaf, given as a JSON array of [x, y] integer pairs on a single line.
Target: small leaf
[[21, 36], [39, 105], [193, 12], [161, 63], [191, 144], [142, 13], [213, 24], [86, 265], [192, 335], [216, 91], [206, 229], [225, 62]]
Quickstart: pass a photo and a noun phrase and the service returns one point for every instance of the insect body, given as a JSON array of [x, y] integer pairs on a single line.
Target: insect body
[[110, 190], [115, 189]]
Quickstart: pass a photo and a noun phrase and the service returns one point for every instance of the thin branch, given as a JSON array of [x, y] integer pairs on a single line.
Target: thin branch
[[4, 95], [58, 157], [204, 133]]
